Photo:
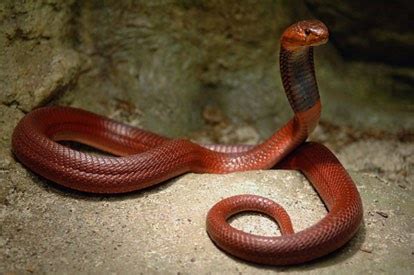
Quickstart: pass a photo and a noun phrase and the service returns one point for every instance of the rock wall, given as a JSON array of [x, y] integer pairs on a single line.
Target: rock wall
[[37, 60], [377, 31], [162, 64]]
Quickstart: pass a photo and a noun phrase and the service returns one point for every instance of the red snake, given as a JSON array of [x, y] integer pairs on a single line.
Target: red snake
[[143, 159]]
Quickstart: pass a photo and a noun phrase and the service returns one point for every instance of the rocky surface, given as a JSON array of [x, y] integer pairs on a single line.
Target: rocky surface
[[380, 34], [379, 31], [163, 229], [37, 63], [162, 63]]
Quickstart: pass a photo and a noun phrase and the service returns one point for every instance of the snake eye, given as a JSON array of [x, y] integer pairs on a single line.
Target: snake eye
[[307, 31]]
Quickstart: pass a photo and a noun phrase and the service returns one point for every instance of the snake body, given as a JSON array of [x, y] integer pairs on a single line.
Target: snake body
[[144, 159]]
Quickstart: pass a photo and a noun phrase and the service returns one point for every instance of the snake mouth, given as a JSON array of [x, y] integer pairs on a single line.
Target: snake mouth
[[305, 34]]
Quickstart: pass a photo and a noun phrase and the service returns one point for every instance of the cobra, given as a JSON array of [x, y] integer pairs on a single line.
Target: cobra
[[142, 159]]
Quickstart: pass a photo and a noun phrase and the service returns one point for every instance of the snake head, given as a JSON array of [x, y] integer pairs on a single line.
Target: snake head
[[304, 34]]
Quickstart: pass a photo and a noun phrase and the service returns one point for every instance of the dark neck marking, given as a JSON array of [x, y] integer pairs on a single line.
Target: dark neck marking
[[298, 77]]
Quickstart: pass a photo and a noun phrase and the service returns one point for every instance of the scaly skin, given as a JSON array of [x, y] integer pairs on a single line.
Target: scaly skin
[[145, 159]]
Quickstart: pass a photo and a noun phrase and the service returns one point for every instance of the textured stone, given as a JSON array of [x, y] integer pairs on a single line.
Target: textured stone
[[379, 31], [162, 229], [376, 33], [160, 64], [36, 62]]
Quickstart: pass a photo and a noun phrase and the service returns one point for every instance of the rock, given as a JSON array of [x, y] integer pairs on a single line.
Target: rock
[[379, 31], [230, 63], [391, 160], [162, 229], [167, 63], [36, 65]]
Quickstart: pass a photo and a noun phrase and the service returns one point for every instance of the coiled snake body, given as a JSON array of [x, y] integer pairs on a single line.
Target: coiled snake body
[[145, 159]]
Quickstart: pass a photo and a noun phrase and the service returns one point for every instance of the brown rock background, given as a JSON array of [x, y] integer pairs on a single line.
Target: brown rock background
[[380, 31], [160, 64]]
